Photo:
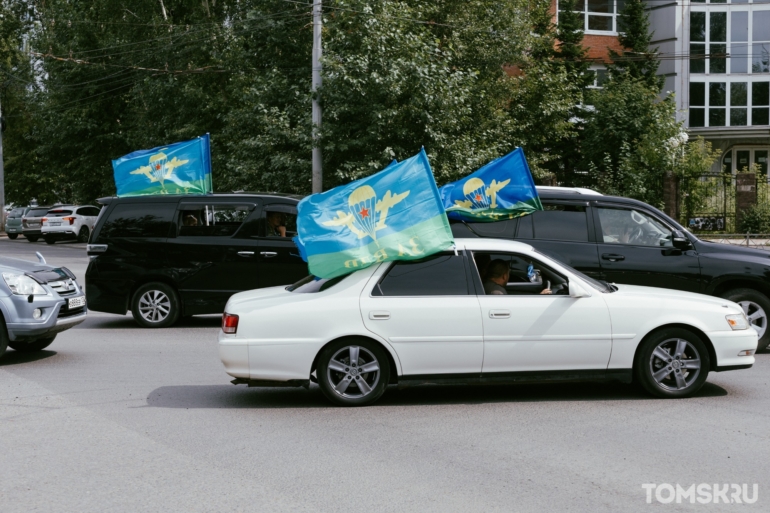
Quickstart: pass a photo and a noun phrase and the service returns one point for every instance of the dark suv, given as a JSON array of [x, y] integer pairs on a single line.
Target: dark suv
[[164, 257], [626, 241]]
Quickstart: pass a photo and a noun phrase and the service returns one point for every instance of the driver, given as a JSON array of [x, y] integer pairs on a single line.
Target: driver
[[276, 225], [498, 274]]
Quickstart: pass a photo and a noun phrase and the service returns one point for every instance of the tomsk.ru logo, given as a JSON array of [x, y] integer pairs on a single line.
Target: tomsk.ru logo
[[367, 214]]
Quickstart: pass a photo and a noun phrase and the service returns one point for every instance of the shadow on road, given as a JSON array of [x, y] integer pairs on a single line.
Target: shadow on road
[[232, 396], [12, 357], [127, 322]]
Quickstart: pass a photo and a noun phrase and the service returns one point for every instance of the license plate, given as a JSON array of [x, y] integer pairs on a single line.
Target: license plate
[[54, 224], [75, 302], [34, 224]]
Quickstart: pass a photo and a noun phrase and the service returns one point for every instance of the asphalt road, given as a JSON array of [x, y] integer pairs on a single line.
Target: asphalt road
[[116, 418]]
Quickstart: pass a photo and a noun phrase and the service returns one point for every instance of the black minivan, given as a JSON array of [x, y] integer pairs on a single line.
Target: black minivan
[[165, 257], [626, 241]]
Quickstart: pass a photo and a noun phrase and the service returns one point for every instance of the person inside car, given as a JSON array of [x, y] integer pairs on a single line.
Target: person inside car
[[276, 225], [498, 274]]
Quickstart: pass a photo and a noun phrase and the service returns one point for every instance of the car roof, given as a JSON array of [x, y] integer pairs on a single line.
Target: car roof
[[485, 244], [168, 198], [566, 190]]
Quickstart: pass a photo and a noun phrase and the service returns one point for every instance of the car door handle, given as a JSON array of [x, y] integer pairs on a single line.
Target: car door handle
[[612, 257], [245, 253], [268, 254], [499, 314], [379, 316]]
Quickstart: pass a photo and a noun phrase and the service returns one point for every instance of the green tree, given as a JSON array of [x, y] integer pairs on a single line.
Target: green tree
[[636, 61]]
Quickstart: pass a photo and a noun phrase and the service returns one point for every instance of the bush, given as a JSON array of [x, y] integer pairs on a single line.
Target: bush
[[756, 219]]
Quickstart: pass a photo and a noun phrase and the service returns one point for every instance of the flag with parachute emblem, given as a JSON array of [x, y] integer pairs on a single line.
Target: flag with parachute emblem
[[395, 214], [502, 189], [179, 168]]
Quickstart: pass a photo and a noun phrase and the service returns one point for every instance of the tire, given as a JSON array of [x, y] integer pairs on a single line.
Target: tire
[[756, 305], [32, 238], [341, 382], [13, 236], [155, 305], [50, 240], [658, 366], [83, 234], [3, 337], [31, 347]]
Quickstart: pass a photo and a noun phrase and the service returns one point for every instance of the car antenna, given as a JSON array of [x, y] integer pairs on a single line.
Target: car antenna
[[42, 260]]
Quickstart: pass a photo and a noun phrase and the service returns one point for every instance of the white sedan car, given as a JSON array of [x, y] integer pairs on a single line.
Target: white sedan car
[[430, 321]]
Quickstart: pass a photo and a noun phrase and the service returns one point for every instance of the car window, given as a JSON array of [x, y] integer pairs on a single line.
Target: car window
[[633, 227], [216, 220], [84, 211], [58, 213], [561, 222], [311, 284], [138, 220], [278, 221], [526, 276], [37, 212], [498, 229], [94, 211], [437, 275]]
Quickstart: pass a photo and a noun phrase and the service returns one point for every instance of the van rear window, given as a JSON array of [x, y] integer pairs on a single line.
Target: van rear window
[[138, 220]]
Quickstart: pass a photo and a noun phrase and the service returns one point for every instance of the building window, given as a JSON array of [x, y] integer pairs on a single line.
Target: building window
[[600, 16], [730, 101], [599, 77], [739, 160], [741, 32]]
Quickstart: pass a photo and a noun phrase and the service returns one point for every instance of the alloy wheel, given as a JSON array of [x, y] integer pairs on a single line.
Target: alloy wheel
[[757, 316], [353, 372], [154, 306], [675, 364]]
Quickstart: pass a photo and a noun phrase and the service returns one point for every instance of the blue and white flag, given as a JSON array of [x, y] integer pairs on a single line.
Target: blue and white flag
[[395, 214], [502, 189], [180, 168]]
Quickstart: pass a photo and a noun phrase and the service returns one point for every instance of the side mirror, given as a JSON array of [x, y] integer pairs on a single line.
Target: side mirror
[[576, 290], [680, 241]]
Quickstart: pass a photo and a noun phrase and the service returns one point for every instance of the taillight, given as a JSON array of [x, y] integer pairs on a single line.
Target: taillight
[[70, 219], [44, 219], [229, 323]]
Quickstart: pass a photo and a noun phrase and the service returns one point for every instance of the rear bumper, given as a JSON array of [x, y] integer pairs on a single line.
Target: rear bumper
[[727, 345], [58, 234], [31, 231]]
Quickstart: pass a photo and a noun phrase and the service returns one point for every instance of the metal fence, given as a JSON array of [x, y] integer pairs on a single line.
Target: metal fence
[[707, 204], [753, 240]]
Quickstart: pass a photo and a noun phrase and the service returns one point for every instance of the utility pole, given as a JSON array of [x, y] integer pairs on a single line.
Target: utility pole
[[317, 163]]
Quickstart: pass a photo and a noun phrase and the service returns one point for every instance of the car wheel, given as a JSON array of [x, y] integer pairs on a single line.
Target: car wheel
[[31, 347], [3, 336], [756, 306], [83, 234], [673, 363], [32, 238], [155, 305], [353, 372], [13, 236], [50, 240]]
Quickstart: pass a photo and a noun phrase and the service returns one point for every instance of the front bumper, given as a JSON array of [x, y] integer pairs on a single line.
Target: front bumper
[[56, 317], [727, 345]]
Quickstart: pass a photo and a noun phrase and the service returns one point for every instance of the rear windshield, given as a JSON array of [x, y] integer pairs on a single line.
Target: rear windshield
[[37, 212], [16, 212], [58, 213], [311, 284]]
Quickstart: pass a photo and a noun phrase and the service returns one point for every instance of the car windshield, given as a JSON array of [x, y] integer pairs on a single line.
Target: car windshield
[[311, 284], [601, 286]]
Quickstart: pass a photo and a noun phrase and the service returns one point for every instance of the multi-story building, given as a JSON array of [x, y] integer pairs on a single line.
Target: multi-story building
[[715, 57]]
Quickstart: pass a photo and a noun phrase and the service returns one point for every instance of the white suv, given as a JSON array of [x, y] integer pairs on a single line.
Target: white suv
[[70, 222]]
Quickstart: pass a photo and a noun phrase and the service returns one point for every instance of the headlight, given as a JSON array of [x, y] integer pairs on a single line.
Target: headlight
[[23, 285], [738, 321]]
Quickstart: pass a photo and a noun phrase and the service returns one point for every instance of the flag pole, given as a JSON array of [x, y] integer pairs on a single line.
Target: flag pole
[[316, 156]]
